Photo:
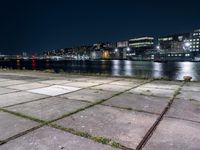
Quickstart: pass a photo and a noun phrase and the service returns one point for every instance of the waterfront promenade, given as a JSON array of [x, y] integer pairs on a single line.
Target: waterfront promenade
[[44, 111]]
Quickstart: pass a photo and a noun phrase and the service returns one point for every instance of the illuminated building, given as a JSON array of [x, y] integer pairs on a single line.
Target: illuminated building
[[122, 44], [195, 41], [141, 45], [176, 43]]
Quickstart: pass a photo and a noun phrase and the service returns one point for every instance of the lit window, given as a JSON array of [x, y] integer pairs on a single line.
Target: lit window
[[187, 55]]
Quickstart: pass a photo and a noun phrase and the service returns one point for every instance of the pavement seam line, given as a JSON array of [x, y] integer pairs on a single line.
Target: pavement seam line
[[10, 92], [20, 134], [131, 109], [23, 116], [159, 119], [40, 99], [183, 119]]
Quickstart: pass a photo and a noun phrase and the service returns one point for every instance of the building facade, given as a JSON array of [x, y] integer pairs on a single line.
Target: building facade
[[195, 42], [141, 45], [176, 43]]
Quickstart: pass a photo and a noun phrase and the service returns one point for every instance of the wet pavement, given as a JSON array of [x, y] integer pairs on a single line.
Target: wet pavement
[[44, 111]]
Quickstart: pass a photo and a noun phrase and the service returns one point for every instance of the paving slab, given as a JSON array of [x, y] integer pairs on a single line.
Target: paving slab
[[139, 102], [47, 138], [191, 88], [83, 79], [123, 126], [90, 95], [111, 87], [2, 79], [174, 134], [55, 90], [18, 97], [11, 82], [81, 84], [28, 86], [11, 125], [153, 92], [134, 80], [49, 109], [189, 95], [5, 90], [15, 76], [55, 82], [127, 83], [192, 83], [168, 82], [161, 86], [185, 109], [100, 80]]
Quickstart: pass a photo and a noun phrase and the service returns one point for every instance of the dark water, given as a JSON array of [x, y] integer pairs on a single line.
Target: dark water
[[172, 70]]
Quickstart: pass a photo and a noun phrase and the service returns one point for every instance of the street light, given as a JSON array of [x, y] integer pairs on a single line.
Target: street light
[[116, 50], [158, 47], [128, 49]]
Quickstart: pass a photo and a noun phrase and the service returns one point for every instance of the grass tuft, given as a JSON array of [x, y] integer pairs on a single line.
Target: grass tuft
[[23, 116], [101, 140]]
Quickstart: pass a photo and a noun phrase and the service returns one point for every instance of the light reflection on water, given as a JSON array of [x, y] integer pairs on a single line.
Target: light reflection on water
[[171, 70], [116, 67], [157, 70], [187, 68], [128, 68]]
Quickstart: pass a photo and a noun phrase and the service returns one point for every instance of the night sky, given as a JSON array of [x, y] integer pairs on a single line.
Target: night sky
[[38, 25]]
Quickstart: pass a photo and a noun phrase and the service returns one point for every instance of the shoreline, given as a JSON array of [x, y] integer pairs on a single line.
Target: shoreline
[[65, 74]]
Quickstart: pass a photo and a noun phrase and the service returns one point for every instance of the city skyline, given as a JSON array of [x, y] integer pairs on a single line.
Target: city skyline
[[36, 27]]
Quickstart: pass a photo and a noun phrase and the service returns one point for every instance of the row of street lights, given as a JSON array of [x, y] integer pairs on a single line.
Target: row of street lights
[[128, 49]]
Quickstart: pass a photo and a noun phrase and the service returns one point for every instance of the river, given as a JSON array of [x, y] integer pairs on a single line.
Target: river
[[170, 70]]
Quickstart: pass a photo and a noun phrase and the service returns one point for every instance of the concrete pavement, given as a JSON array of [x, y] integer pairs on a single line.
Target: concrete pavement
[[44, 111]]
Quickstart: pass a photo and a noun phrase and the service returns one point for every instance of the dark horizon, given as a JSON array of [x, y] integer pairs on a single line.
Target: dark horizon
[[35, 26]]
